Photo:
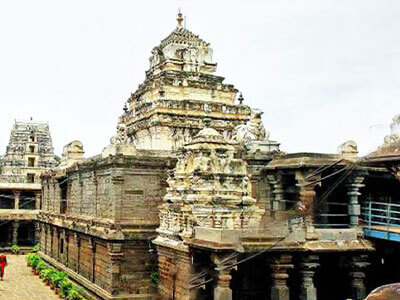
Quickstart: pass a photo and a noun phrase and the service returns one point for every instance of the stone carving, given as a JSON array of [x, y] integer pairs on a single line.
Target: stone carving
[[395, 125], [391, 139], [120, 143], [348, 149], [72, 153], [394, 136], [157, 57], [209, 188], [121, 137], [253, 130]]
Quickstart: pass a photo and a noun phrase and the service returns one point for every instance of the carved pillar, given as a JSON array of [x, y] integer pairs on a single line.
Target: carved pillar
[[222, 290], [38, 197], [353, 186], [308, 266], [307, 198], [280, 266], [116, 255], [357, 274], [277, 193], [16, 199], [15, 226]]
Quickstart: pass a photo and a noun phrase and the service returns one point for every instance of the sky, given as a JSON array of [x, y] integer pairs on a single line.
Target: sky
[[323, 71]]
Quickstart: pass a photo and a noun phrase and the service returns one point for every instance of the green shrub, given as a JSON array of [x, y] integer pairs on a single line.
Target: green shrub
[[50, 274], [34, 260], [41, 265], [36, 248], [29, 258], [43, 272], [14, 249], [75, 293], [58, 277], [65, 286]]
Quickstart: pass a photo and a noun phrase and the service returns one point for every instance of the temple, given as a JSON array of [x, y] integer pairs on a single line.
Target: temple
[[191, 199], [29, 153]]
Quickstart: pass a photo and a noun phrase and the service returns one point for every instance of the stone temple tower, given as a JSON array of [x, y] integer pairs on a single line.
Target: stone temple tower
[[29, 152], [179, 91]]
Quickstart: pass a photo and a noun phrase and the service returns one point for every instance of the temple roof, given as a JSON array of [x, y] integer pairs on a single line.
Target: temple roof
[[184, 37]]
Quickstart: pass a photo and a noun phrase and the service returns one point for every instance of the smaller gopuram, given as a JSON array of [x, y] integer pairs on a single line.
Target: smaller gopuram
[[28, 154]]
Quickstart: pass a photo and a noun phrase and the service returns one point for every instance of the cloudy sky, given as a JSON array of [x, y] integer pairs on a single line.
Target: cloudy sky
[[323, 71]]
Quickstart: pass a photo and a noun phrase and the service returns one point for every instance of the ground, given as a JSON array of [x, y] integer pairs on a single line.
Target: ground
[[20, 284]]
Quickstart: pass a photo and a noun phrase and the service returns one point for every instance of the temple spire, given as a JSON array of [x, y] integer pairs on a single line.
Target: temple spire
[[179, 19]]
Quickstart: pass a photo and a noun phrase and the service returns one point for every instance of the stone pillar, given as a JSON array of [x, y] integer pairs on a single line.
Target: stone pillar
[[307, 196], [308, 265], [116, 255], [15, 226], [280, 266], [358, 264], [38, 197], [16, 199], [222, 291], [353, 186], [277, 193]]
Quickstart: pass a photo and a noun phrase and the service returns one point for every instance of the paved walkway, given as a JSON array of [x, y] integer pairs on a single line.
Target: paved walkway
[[20, 284]]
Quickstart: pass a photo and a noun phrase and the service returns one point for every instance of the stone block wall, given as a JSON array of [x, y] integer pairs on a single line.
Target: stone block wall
[[175, 271], [102, 239], [118, 191], [113, 268]]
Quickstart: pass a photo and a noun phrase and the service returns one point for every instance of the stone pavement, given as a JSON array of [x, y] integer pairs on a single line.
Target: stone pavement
[[20, 284]]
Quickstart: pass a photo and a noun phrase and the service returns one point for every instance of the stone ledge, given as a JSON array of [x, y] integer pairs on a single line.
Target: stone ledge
[[98, 292]]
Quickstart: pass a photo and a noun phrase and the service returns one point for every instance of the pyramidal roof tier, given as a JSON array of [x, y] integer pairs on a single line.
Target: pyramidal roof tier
[[184, 37]]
